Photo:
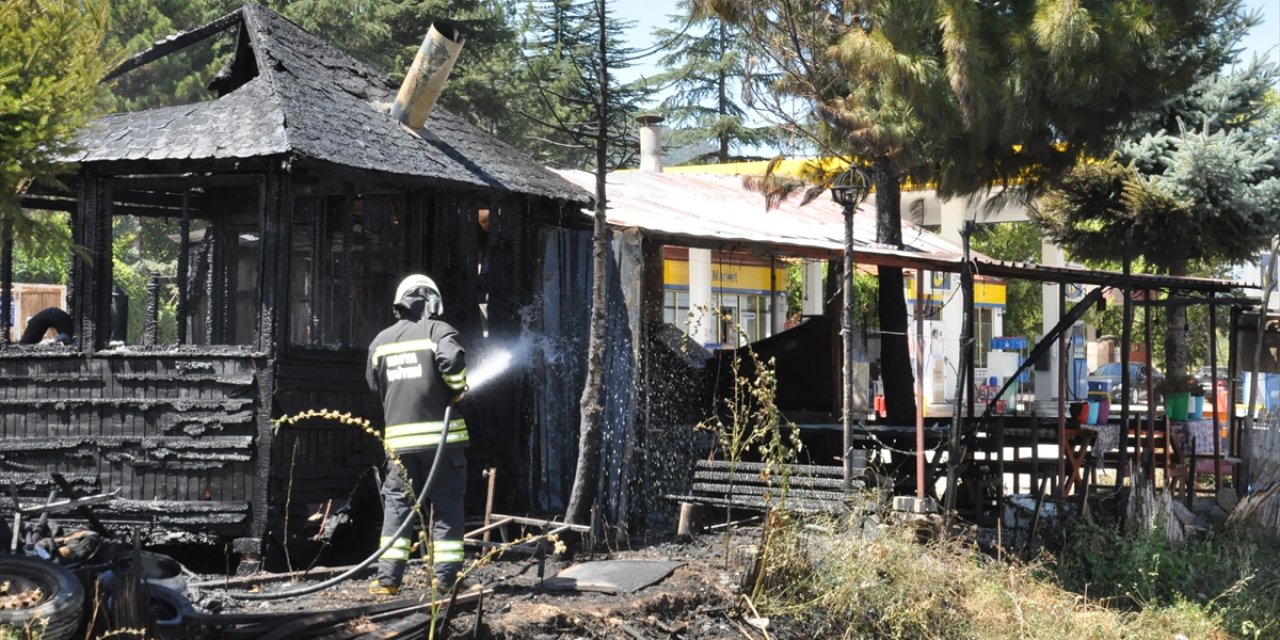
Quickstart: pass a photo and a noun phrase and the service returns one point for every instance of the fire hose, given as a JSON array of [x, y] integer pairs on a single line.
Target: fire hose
[[391, 540]]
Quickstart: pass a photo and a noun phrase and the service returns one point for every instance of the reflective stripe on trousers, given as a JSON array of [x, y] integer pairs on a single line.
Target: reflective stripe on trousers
[[447, 551], [398, 551]]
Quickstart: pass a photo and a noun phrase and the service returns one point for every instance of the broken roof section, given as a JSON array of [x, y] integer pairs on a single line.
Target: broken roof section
[[286, 92]]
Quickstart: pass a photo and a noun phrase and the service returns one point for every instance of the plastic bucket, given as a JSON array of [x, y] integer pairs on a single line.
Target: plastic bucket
[[1197, 407], [1104, 411], [1176, 405], [1079, 412], [1094, 410]]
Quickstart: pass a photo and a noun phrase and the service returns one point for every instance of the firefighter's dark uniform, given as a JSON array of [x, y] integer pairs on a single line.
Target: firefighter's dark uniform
[[418, 367]]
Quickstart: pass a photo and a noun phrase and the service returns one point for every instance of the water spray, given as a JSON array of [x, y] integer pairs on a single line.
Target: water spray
[[490, 368]]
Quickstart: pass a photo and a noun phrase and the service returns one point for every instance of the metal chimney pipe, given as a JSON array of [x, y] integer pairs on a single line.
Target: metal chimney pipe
[[650, 143], [431, 67]]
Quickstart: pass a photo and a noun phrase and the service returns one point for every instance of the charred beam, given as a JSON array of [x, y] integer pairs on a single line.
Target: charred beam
[[176, 42]]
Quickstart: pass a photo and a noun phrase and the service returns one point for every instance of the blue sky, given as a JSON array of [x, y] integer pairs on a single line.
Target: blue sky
[[648, 14]]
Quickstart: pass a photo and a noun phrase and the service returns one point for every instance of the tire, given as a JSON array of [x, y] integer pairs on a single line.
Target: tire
[[40, 323], [60, 604], [168, 608]]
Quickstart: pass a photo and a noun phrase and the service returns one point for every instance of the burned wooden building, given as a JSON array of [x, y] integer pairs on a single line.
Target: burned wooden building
[[294, 202]]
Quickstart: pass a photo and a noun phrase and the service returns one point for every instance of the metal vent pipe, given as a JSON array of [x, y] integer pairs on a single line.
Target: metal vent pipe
[[650, 142], [430, 69]]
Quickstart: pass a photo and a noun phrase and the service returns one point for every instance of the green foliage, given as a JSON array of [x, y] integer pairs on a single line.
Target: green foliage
[[1196, 180], [484, 87], [705, 64], [1231, 574], [140, 249], [50, 63], [1021, 241], [178, 78], [562, 79], [45, 258]]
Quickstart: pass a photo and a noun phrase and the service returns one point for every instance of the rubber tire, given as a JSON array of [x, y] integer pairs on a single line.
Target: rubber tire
[[175, 606], [63, 607], [51, 318]]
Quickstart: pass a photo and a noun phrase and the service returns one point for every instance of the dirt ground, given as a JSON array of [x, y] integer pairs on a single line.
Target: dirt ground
[[697, 601]]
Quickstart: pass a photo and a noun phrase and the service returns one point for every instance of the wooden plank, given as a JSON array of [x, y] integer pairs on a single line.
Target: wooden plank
[[723, 490], [835, 484], [759, 504], [817, 471]]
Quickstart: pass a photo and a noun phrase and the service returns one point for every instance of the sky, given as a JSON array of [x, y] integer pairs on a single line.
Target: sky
[[648, 14]]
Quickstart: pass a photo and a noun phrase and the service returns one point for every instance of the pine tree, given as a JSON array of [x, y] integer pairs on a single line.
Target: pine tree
[[50, 63], [1194, 187], [706, 67], [561, 76], [967, 95], [484, 84]]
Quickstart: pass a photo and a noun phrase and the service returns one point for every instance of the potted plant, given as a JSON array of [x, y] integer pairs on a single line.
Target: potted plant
[[1197, 398], [1177, 396]]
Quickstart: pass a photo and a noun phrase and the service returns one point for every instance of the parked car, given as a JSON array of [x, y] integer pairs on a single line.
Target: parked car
[[1110, 373], [1204, 374]]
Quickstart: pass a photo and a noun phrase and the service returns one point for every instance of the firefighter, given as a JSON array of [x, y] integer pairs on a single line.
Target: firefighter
[[418, 367]]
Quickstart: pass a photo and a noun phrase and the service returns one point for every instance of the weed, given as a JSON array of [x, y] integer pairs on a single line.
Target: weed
[[850, 582], [748, 418], [1229, 574]]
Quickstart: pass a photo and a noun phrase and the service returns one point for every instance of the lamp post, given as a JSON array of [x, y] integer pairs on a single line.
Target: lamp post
[[850, 189]]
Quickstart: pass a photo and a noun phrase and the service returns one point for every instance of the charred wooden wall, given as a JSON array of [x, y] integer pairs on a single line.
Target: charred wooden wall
[[175, 435]]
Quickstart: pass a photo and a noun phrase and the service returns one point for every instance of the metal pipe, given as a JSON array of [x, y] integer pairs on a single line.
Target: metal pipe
[[1061, 483], [427, 75], [651, 143], [920, 383], [846, 333]]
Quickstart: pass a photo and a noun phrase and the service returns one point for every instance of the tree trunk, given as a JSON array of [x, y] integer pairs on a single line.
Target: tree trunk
[[1175, 335], [895, 359], [591, 409]]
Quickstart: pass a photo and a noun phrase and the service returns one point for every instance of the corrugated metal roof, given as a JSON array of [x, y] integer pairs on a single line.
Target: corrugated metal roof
[[718, 209], [715, 207]]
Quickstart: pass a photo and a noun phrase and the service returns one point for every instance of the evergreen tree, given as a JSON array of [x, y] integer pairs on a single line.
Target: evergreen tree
[[706, 69], [1195, 186], [136, 25], [970, 94], [50, 63], [562, 79], [484, 85]]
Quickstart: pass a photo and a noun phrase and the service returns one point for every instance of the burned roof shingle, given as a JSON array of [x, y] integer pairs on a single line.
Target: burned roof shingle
[[313, 100]]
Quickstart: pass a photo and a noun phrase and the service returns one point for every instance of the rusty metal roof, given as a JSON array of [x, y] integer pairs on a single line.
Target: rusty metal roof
[[717, 210], [310, 99]]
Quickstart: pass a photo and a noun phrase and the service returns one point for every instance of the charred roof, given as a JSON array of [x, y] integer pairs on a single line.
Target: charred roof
[[288, 92]]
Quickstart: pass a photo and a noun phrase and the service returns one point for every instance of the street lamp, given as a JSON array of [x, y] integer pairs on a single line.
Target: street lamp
[[850, 189]]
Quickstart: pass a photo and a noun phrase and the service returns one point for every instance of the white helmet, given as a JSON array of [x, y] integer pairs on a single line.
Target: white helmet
[[413, 283]]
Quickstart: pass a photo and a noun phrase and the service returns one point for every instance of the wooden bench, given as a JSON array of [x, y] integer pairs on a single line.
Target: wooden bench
[[753, 486]]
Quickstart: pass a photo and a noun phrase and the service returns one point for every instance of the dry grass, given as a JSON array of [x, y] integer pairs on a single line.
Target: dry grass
[[880, 582]]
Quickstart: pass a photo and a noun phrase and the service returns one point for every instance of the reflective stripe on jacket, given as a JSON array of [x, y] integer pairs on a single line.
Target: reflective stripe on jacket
[[417, 367], [419, 435]]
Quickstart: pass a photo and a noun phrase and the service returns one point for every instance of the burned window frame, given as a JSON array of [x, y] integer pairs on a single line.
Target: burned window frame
[[325, 260], [102, 199]]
